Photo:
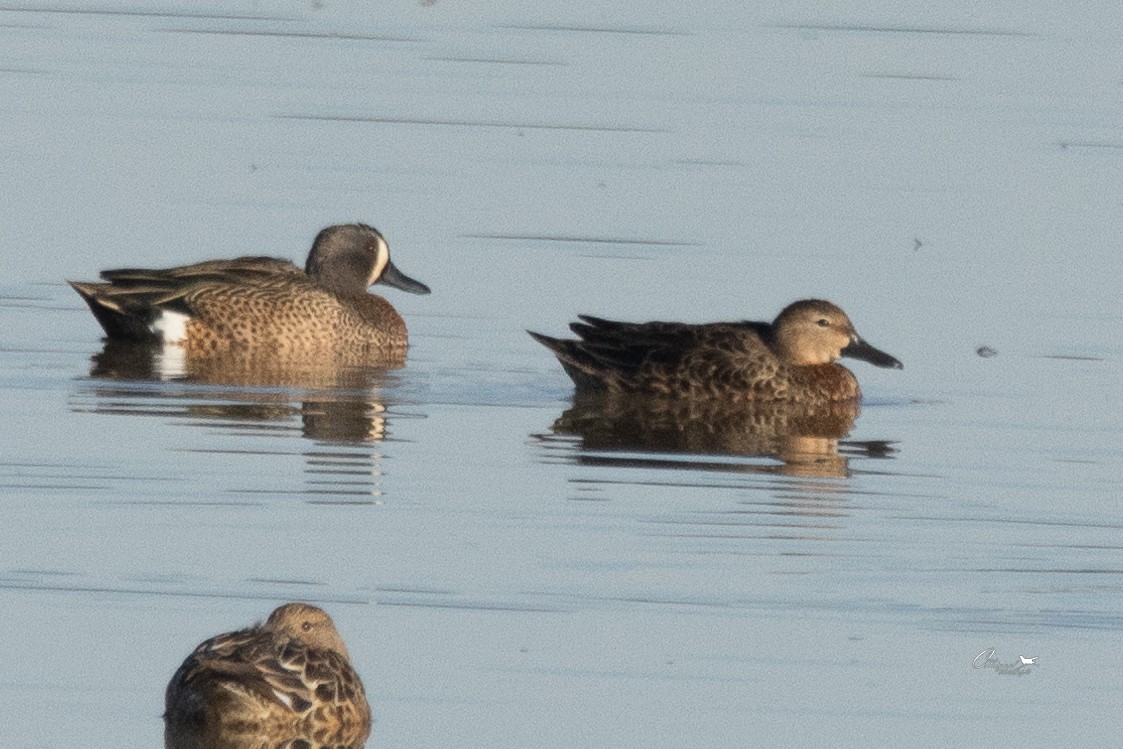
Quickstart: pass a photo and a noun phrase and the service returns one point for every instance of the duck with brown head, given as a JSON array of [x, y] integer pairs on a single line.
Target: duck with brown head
[[791, 360]]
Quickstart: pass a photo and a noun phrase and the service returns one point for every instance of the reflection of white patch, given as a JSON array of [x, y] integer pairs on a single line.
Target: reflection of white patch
[[172, 362], [171, 326], [381, 258]]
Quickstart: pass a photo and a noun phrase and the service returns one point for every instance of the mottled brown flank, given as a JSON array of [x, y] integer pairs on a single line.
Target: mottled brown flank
[[735, 362], [731, 360], [291, 318], [265, 682]]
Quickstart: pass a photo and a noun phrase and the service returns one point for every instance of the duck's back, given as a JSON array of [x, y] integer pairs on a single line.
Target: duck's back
[[235, 270], [663, 358], [254, 682], [228, 679]]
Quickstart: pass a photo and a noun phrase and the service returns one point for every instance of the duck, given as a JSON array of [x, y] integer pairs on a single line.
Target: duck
[[288, 678], [791, 360], [261, 304]]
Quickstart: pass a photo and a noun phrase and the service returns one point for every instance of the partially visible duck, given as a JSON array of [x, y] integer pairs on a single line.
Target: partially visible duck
[[288, 678]]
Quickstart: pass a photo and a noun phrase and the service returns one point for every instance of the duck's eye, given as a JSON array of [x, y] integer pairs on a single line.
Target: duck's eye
[[306, 626], [823, 322]]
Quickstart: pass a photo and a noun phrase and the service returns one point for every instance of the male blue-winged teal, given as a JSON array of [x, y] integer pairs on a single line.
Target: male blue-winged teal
[[790, 360], [260, 303], [288, 678]]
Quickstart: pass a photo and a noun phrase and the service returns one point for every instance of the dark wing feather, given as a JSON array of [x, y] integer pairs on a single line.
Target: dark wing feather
[[628, 347], [233, 660], [132, 297], [237, 269], [670, 358]]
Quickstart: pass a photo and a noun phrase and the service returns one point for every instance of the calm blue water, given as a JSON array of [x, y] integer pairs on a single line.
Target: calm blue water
[[949, 175]]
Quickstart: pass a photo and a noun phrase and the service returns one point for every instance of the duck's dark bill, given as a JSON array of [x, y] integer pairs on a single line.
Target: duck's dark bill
[[859, 349], [391, 276]]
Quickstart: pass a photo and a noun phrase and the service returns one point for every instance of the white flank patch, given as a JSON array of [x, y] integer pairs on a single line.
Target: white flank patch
[[171, 326]]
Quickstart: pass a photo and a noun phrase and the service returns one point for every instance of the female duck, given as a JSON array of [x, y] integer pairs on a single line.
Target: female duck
[[791, 360], [262, 304], [287, 678]]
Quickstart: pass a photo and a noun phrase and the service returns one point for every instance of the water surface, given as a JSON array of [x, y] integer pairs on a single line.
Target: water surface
[[950, 179]]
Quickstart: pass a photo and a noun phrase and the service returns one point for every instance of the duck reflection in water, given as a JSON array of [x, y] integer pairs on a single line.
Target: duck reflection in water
[[744, 388], [285, 683], [261, 322], [807, 442], [337, 403]]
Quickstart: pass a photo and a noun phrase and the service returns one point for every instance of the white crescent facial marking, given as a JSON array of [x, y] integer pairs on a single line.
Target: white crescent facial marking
[[381, 258]]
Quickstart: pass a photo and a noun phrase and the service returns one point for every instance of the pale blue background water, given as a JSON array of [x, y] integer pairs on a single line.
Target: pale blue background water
[[497, 584]]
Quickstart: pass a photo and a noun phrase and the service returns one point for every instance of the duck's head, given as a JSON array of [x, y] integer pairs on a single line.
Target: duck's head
[[309, 624], [350, 257], [813, 331]]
